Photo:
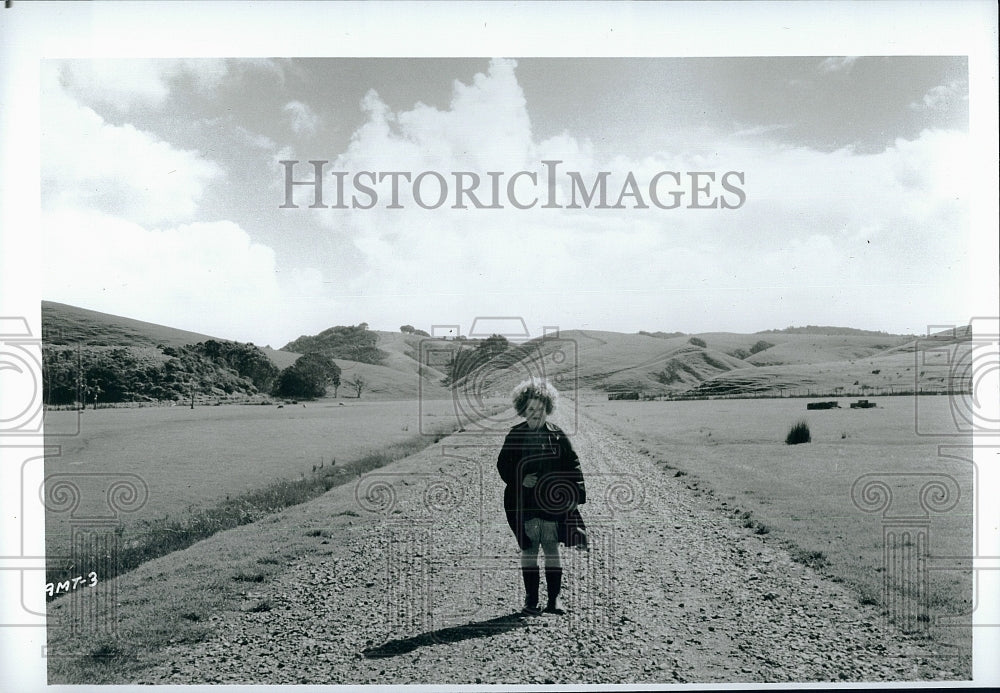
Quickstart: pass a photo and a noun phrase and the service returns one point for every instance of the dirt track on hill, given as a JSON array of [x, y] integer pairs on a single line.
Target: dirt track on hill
[[422, 587]]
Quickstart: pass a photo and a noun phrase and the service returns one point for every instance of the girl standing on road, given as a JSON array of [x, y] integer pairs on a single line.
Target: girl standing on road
[[544, 487]]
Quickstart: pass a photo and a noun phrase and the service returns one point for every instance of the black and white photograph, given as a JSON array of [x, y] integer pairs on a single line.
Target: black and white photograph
[[476, 346]]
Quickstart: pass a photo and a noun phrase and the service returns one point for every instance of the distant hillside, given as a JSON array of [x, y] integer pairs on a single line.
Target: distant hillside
[[388, 362], [661, 335], [609, 361], [399, 374], [132, 347], [887, 373], [961, 333], [804, 348], [830, 330], [64, 324], [711, 364], [407, 365], [96, 358]]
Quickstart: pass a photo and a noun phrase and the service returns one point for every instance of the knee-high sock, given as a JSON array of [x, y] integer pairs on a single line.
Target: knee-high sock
[[531, 576], [553, 583]]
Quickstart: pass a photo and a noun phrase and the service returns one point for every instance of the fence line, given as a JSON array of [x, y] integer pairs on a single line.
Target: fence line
[[786, 394]]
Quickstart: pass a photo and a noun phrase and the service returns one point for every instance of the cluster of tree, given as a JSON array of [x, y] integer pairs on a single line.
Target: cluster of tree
[[468, 359], [130, 374], [91, 374], [308, 377], [351, 343], [245, 359], [409, 329]]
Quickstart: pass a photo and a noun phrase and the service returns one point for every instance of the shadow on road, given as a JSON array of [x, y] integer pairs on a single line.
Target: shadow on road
[[479, 629]]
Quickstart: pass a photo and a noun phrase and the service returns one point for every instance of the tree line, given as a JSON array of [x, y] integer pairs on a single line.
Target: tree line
[[88, 374], [348, 342]]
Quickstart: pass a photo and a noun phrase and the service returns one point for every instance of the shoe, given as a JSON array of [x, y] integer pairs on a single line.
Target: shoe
[[529, 610], [555, 607]]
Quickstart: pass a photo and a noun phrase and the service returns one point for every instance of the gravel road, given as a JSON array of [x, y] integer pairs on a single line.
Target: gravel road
[[422, 586]]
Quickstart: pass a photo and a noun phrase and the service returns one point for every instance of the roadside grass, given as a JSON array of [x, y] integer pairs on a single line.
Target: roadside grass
[[183, 459], [800, 495], [180, 599], [171, 611], [151, 538]]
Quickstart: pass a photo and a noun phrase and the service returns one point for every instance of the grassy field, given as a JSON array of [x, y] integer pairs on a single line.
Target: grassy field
[[798, 495], [801, 494], [191, 459]]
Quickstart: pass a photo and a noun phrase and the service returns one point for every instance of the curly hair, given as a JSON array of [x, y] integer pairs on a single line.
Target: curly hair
[[534, 388]]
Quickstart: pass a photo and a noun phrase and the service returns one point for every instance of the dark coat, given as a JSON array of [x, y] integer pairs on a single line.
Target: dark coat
[[560, 488]]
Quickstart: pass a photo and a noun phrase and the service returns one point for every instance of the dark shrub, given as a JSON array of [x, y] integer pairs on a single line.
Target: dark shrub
[[799, 433]]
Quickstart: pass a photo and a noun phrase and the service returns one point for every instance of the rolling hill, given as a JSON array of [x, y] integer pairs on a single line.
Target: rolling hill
[[795, 360], [395, 378], [65, 324]]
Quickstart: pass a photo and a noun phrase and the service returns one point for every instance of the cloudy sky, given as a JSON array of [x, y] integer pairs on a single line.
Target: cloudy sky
[[162, 192]]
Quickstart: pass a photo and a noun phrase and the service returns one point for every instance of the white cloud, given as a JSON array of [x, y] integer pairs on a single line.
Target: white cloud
[[125, 83], [302, 119], [88, 162], [942, 97], [937, 165], [800, 228], [208, 277], [114, 202], [833, 232], [486, 127]]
